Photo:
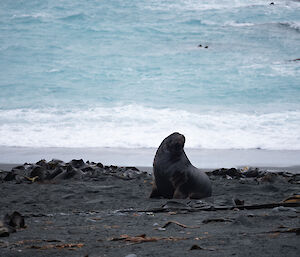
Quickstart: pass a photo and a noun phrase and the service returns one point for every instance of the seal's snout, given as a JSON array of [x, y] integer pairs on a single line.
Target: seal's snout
[[179, 138], [176, 141]]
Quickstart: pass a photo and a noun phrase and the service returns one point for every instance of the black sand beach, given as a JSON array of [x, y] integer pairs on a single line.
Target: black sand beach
[[109, 213]]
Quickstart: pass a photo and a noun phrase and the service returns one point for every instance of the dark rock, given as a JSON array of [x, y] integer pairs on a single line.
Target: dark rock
[[111, 167], [251, 173], [10, 176], [42, 163], [4, 232], [72, 172], [16, 220], [21, 172], [55, 163], [230, 172], [39, 172], [132, 168], [77, 163], [100, 165], [238, 202], [19, 179], [21, 167], [88, 169], [295, 179], [11, 223], [55, 173], [269, 177]]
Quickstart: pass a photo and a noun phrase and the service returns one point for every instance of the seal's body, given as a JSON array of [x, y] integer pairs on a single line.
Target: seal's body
[[174, 175]]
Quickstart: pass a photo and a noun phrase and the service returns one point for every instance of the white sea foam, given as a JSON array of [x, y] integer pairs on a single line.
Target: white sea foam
[[135, 126], [237, 24], [291, 25], [31, 15], [202, 5]]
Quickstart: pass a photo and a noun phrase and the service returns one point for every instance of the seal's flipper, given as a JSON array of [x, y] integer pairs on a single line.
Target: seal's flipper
[[154, 193]]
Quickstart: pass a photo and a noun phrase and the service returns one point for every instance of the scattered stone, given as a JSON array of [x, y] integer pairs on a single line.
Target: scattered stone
[[10, 223], [14, 220], [238, 202]]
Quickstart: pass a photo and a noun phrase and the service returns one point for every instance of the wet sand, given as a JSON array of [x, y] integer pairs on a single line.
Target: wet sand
[[112, 215], [201, 158]]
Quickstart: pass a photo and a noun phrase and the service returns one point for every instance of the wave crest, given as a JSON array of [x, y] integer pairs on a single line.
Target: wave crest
[[135, 126]]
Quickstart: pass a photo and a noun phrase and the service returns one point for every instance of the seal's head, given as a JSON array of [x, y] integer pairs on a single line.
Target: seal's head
[[174, 143]]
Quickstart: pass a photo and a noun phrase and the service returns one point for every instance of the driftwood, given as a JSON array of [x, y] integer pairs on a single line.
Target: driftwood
[[178, 224], [290, 230], [143, 239], [219, 208]]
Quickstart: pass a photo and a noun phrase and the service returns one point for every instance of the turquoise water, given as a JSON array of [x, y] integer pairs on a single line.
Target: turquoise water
[[128, 73]]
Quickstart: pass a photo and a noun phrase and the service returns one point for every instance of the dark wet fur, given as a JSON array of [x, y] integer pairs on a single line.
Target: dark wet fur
[[174, 175]]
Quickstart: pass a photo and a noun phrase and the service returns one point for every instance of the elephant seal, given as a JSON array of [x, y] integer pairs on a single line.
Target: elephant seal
[[174, 175]]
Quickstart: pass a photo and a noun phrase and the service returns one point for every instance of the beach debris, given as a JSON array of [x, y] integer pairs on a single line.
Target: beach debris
[[178, 224], [143, 239], [216, 220], [32, 179], [207, 207], [131, 255], [174, 206], [290, 230], [197, 247], [57, 246], [281, 208], [4, 231], [292, 199]]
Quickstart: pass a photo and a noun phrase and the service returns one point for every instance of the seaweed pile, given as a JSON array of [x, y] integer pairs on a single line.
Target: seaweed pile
[[255, 174], [56, 170]]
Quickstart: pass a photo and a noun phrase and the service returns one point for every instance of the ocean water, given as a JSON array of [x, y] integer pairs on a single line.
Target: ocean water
[[126, 73]]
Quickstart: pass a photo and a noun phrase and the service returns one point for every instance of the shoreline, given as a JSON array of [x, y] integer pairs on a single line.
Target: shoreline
[[206, 159], [290, 169]]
